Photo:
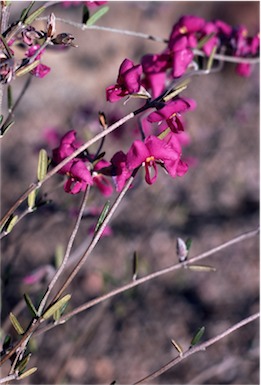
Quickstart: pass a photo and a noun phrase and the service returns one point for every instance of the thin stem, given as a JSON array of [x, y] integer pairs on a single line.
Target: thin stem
[[37, 185], [67, 253], [94, 240], [10, 115], [8, 378], [149, 277], [84, 27], [198, 348]]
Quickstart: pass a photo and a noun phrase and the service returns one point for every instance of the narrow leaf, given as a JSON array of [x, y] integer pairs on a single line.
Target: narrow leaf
[[205, 39], [22, 365], [26, 11], [58, 305], [58, 313], [200, 268], [30, 305], [6, 127], [34, 15], [164, 133], [211, 58], [188, 243], [197, 336], [102, 216], [85, 14], [11, 224], [58, 255], [42, 164], [27, 68], [97, 15], [177, 347], [27, 373], [135, 265], [7, 342], [16, 324], [31, 199], [9, 97], [1, 118], [174, 93]]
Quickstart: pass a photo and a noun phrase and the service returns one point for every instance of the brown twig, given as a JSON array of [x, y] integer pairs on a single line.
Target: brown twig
[[197, 348]]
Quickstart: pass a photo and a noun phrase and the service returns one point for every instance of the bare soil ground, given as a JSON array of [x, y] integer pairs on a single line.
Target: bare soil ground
[[130, 336]]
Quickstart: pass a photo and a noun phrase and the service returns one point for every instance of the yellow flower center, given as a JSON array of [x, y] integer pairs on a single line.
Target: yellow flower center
[[183, 30], [150, 159]]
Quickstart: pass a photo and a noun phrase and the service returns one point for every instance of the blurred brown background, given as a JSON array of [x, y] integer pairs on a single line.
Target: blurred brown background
[[129, 336]]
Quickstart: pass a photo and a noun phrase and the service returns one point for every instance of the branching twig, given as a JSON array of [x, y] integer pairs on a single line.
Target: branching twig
[[149, 277], [67, 253], [197, 348]]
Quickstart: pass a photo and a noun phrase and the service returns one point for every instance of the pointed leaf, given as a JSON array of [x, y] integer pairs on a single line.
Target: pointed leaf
[[22, 365], [56, 306], [6, 127], [9, 97], [34, 15], [102, 216], [135, 266], [30, 305], [11, 224], [200, 267], [31, 199], [85, 14], [7, 342], [188, 243], [177, 347], [58, 255], [26, 11], [97, 15], [42, 164], [16, 324], [197, 336], [27, 373], [27, 68], [211, 58], [205, 39], [1, 118]]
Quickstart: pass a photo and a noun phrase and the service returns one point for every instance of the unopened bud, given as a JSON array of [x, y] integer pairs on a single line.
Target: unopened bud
[[51, 25], [64, 39], [182, 250]]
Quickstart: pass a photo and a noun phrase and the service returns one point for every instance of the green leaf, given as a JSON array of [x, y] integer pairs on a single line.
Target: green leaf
[[200, 267], [16, 324], [195, 340], [211, 58], [27, 68], [9, 97], [26, 11], [85, 14], [22, 365], [34, 15], [11, 224], [135, 266], [7, 342], [58, 255], [205, 39], [188, 243], [1, 118], [164, 133], [56, 306], [31, 199], [6, 127], [97, 15], [30, 305], [27, 373], [58, 313], [102, 216], [42, 164]]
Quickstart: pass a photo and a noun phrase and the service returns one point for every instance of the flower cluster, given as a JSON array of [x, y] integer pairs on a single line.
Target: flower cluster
[[189, 33], [162, 128]]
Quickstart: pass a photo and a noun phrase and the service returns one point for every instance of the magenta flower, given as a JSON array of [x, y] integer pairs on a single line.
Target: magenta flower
[[154, 68], [120, 172], [187, 26], [100, 180], [77, 171], [182, 56], [79, 177], [154, 151], [171, 113], [128, 81], [41, 70]]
